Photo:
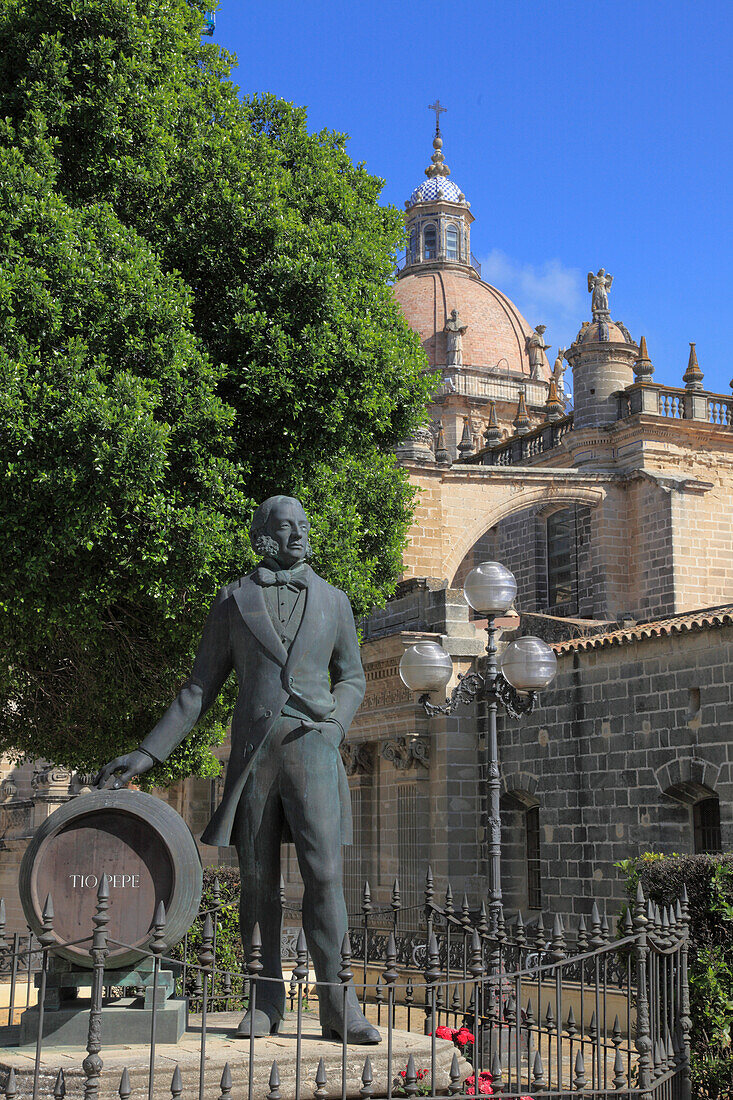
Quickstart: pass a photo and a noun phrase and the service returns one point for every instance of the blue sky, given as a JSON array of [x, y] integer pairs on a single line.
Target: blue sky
[[583, 134]]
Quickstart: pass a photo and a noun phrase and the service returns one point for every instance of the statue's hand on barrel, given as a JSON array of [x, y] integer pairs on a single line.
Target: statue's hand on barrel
[[124, 768]]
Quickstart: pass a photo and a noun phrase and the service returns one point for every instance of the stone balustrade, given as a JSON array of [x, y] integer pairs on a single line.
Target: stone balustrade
[[475, 382], [676, 403], [518, 449]]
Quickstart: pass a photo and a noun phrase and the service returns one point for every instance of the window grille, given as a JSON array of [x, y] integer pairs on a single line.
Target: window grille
[[706, 826], [430, 242], [409, 872], [534, 878], [354, 858], [560, 555], [451, 243]]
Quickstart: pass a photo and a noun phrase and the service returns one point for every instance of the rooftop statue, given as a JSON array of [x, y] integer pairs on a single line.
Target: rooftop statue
[[535, 347], [558, 371], [599, 286], [290, 638], [454, 330]]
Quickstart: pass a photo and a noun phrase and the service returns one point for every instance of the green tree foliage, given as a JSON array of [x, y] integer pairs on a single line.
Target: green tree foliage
[[121, 506], [195, 312]]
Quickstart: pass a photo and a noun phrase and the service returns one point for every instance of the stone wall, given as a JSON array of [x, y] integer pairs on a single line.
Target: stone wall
[[624, 723]]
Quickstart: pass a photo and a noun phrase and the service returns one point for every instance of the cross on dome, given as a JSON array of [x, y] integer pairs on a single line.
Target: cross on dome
[[438, 112], [437, 186], [438, 167]]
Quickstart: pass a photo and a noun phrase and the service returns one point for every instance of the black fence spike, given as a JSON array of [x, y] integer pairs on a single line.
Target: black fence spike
[[176, 1083], [396, 900], [225, 1084], [320, 1090], [455, 1085], [410, 1078], [59, 1086], [274, 1083], [619, 1077], [538, 1072], [367, 1077], [125, 1088]]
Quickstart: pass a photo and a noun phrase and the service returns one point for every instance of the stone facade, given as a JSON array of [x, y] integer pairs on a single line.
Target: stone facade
[[636, 731]]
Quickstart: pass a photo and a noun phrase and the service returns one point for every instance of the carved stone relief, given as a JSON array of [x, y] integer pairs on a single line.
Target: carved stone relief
[[405, 752]]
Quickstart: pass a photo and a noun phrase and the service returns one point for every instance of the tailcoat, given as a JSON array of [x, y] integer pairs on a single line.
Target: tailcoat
[[320, 678]]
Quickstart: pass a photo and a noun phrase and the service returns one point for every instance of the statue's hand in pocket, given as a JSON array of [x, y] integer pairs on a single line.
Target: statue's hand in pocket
[[331, 731]]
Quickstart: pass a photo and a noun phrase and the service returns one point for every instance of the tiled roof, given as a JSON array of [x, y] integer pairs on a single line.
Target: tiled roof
[[436, 188], [705, 619]]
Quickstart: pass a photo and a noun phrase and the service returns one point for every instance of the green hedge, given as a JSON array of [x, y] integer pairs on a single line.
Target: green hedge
[[709, 883], [229, 952]]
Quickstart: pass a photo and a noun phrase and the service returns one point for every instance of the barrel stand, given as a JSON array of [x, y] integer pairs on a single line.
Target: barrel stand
[[125, 1019]]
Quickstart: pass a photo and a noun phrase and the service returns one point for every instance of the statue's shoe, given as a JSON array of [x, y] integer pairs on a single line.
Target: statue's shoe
[[263, 1025], [358, 1030]]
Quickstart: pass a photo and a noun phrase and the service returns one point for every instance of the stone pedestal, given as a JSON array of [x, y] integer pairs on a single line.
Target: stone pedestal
[[127, 1022]]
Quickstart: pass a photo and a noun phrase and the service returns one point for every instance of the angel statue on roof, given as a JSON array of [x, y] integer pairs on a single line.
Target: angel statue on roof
[[599, 286]]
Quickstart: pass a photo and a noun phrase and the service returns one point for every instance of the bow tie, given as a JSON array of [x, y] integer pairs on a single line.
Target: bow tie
[[291, 577]]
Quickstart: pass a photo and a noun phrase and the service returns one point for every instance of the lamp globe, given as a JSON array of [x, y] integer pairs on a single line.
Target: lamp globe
[[425, 667], [528, 664], [490, 588]]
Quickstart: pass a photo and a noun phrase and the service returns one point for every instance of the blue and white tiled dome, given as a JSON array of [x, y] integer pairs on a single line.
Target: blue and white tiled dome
[[431, 190]]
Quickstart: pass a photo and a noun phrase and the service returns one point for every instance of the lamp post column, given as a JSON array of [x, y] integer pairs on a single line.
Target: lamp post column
[[527, 666], [493, 781]]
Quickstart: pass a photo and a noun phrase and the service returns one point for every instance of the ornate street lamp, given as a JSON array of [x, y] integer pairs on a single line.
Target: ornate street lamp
[[527, 666]]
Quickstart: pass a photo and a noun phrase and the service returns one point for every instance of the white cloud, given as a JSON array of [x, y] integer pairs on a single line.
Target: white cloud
[[549, 293]]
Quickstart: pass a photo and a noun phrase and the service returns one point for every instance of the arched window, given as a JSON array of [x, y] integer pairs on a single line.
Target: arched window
[[706, 826], [413, 247], [430, 242], [451, 243]]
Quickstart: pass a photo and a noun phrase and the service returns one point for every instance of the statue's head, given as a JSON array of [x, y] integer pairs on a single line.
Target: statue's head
[[454, 314], [280, 529], [602, 271], [540, 329]]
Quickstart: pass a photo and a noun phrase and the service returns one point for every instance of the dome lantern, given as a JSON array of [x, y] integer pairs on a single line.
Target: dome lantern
[[437, 215]]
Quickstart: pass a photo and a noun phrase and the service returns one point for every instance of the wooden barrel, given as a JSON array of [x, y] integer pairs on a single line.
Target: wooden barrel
[[142, 845]]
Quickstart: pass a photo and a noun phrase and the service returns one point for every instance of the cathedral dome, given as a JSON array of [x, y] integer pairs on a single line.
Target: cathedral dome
[[435, 190], [496, 331]]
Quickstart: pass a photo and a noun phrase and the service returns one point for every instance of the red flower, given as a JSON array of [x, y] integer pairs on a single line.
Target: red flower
[[484, 1085], [463, 1036], [443, 1032]]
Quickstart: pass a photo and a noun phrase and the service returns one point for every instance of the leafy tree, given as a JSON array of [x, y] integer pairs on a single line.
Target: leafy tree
[[121, 505], [195, 312]]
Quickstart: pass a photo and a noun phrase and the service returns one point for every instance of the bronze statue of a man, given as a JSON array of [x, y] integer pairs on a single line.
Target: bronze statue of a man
[[290, 638]]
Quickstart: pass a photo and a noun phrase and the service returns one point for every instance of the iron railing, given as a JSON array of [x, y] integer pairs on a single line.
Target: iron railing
[[473, 1002]]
